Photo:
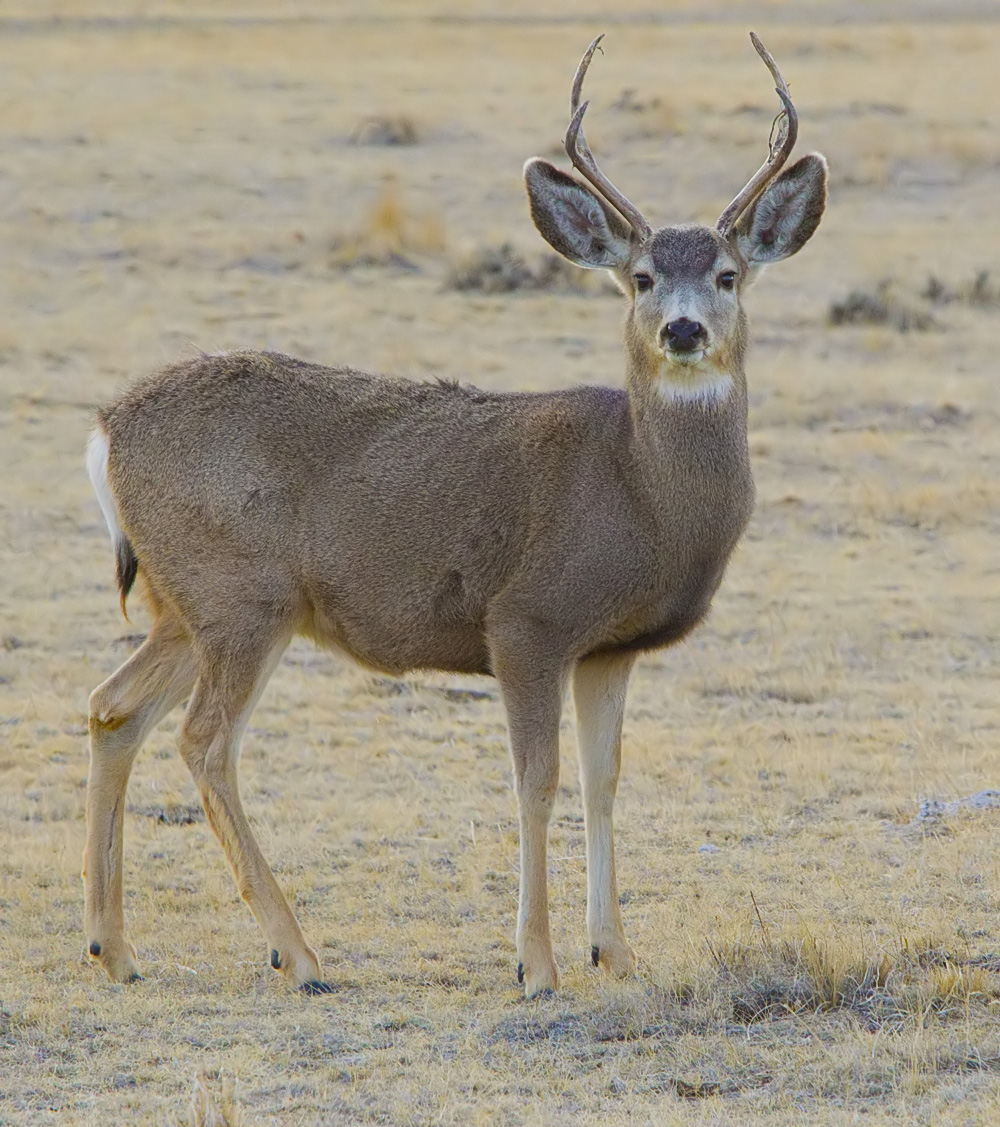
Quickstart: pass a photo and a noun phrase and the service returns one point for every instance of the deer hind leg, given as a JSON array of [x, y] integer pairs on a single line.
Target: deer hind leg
[[532, 689], [599, 688], [230, 681], [123, 710]]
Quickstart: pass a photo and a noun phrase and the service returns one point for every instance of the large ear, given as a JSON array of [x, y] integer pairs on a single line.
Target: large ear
[[784, 218], [573, 221]]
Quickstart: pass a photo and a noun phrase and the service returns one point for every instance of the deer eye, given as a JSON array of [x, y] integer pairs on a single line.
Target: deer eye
[[643, 282], [727, 279]]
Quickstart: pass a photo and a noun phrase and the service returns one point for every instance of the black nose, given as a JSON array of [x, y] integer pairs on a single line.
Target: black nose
[[684, 335]]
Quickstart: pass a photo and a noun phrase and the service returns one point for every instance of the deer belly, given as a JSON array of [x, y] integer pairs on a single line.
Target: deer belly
[[393, 629]]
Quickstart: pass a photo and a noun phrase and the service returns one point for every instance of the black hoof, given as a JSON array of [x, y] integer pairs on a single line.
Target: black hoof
[[314, 987], [595, 956], [134, 978], [275, 959], [95, 949], [520, 972]]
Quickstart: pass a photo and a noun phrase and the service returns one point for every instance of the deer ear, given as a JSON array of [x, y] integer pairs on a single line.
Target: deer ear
[[782, 221], [573, 221]]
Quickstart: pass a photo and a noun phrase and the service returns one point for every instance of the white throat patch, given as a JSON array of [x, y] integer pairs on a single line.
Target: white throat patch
[[704, 389]]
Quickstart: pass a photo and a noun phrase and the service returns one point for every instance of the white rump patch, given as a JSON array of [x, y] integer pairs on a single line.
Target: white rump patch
[[708, 391], [97, 468]]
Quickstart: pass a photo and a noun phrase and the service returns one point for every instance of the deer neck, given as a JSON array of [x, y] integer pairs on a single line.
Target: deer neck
[[689, 440]]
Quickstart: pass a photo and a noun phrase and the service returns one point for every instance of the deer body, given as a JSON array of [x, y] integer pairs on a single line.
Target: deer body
[[542, 506], [539, 538]]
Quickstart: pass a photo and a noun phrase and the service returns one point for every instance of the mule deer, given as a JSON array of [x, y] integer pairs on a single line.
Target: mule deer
[[532, 537]]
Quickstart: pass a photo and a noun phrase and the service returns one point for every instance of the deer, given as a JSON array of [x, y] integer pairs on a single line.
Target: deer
[[539, 538]]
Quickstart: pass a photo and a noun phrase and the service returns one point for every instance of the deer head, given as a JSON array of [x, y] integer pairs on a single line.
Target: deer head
[[685, 333]]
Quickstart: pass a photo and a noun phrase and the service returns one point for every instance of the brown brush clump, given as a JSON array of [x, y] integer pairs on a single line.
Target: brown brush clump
[[890, 303], [882, 305], [774, 977], [769, 977], [981, 292], [503, 270], [647, 117], [392, 234], [394, 129]]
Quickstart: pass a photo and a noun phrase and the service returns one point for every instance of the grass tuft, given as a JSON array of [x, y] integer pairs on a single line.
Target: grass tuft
[[207, 1109], [770, 978]]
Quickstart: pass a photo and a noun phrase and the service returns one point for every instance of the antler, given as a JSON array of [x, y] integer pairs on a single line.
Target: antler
[[579, 152], [787, 123]]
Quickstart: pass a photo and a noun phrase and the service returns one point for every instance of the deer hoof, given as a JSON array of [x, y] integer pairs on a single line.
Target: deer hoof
[[314, 987], [618, 959], [118, 958], [540, 979]]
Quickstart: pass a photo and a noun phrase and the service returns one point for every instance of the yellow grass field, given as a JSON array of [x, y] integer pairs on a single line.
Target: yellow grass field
[[180, 175]]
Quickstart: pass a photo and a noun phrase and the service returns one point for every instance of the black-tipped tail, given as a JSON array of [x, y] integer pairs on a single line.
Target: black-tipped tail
[[126, 568]]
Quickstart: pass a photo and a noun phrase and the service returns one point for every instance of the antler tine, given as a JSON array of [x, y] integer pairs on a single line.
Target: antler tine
[[778, 150], [579, 152]]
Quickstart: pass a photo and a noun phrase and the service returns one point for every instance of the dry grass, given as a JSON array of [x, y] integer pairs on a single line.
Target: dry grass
[[211, 1109], [189, 181]]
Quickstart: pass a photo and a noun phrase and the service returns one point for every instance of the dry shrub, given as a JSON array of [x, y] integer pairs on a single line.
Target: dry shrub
[[647, 117], [503, 270], [882, 305], [392, 234], [979, 292], [929, 505], [388, 130], [491, 270], [770, 978], [888, 303], [773, 976]]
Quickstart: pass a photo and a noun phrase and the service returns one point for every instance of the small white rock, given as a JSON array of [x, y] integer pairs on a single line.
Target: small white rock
[[708, 847], [933, 810]]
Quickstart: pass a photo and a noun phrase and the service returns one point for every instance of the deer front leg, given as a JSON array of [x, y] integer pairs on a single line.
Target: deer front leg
[[532, 693], [536, 778], [599, 688]]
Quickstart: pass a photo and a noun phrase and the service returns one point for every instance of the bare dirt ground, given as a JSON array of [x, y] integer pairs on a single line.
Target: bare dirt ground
[[183, 176]]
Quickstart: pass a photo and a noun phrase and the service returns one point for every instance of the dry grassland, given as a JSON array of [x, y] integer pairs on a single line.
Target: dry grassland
[[184, 182]]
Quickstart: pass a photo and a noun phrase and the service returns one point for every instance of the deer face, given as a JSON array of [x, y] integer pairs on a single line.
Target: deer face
[[686, 329], [686, 326]]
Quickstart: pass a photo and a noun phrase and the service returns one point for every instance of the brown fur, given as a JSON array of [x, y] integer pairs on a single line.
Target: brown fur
[[537, 538], [355, 470]]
